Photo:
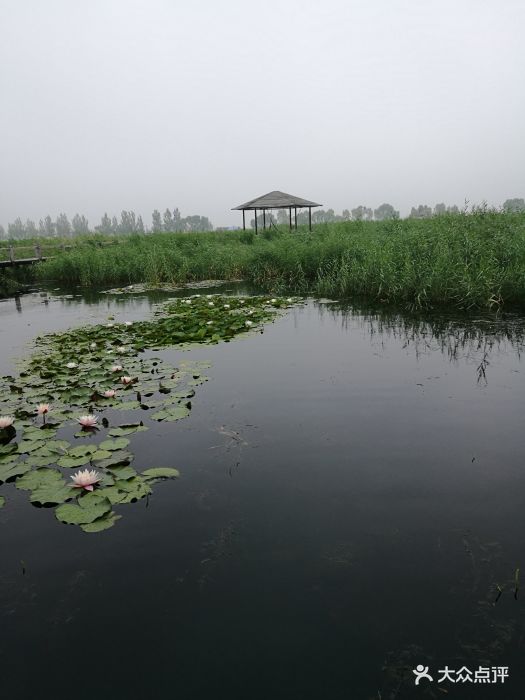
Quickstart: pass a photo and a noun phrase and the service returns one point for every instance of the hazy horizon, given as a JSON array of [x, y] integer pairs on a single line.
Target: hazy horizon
[[135, 105]]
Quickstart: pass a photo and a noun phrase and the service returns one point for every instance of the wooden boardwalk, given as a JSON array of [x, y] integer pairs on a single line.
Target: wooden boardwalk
[[36, 254], [22, 261]]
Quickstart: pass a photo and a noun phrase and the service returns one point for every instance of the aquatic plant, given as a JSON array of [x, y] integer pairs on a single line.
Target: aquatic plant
[[88, 421], [86, 479], [160, 392], [469, 260]]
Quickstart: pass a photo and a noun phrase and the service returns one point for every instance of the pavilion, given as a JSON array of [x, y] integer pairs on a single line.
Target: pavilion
[[276, 200]]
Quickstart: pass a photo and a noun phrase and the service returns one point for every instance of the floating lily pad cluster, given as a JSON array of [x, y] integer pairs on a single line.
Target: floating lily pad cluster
[[88, 375]]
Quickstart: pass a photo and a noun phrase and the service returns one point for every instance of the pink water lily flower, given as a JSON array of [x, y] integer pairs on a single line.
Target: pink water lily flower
[[6, 422], [88, 421], [85, 479], [116, 368], [43, 408], [109, 393], [126, 380]]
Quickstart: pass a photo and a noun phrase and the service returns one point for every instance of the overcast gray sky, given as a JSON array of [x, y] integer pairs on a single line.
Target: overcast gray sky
[[141, 104]]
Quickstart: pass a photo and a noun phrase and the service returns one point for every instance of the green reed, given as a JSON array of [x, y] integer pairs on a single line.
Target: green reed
[[469, 260]]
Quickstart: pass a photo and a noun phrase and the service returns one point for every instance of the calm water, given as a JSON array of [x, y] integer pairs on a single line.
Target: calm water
[[352, 494]]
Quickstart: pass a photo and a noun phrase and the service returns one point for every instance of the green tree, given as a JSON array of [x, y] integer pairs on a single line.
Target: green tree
[[79, 225], [105, 225], [423, 211], [156, 222], [440, 208], [362, 213], [385, 211], [177, 226], [62, 226], [31, 229], [167, 221], [16, 229], [49, 227], [514, 205], [140, 225]]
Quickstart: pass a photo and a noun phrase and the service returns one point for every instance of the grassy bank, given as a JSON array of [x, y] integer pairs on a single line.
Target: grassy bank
[[474, 260]]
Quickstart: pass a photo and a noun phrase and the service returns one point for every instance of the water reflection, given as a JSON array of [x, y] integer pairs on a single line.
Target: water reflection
[[461, 338]]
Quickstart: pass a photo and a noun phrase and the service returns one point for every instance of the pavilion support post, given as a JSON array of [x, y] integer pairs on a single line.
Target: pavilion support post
[[255, 212], [243, 221], [290, 218], [264, 219], [295, 209], [310, 217]]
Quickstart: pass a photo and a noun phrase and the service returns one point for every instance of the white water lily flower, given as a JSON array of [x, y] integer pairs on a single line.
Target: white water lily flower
[[196, 296], [242, 301], [289, 300], [226, 306], [110, 325], [43, 408], [210, 303], [85, 479], [209, 323], [248, 323], [187, 301], [121, 349], [88, 421], [93, 346], [109, 393], [209, 296], [6, 422], [128, 323], [126, 380], [71, 365], [116, 368], [273, 301]]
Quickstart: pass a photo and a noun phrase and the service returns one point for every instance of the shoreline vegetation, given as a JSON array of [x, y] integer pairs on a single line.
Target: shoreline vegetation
[[465, 261]]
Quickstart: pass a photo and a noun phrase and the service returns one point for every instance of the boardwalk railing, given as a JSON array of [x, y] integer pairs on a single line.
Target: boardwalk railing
[[13, 254], [26, 254]]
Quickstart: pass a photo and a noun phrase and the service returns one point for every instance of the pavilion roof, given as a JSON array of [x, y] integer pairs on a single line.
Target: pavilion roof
[[277, 200]]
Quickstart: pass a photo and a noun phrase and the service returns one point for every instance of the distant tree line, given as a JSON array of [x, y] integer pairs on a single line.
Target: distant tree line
[[172, 221], [129, 222], [362, 213]]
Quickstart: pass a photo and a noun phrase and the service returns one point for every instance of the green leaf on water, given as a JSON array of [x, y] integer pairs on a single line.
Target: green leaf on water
[[122, 472], [171, 414], [10, 471], [117, 444], [117, 458], [126, 430], [88, 508], [103, 523], [160, 473], [47, 486]]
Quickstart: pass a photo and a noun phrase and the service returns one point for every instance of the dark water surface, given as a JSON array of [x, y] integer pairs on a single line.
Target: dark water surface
[[352, 493]]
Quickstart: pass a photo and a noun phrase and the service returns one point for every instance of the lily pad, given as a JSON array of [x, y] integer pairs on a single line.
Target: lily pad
[[89, 508], [10, 471], [117, 458], [111, 445], [104, 523], [127, 429], [160, 473], [122, 472], [47, 486], [171, 414]]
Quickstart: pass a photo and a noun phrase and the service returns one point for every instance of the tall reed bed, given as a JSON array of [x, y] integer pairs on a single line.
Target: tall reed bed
[[474, 260]]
